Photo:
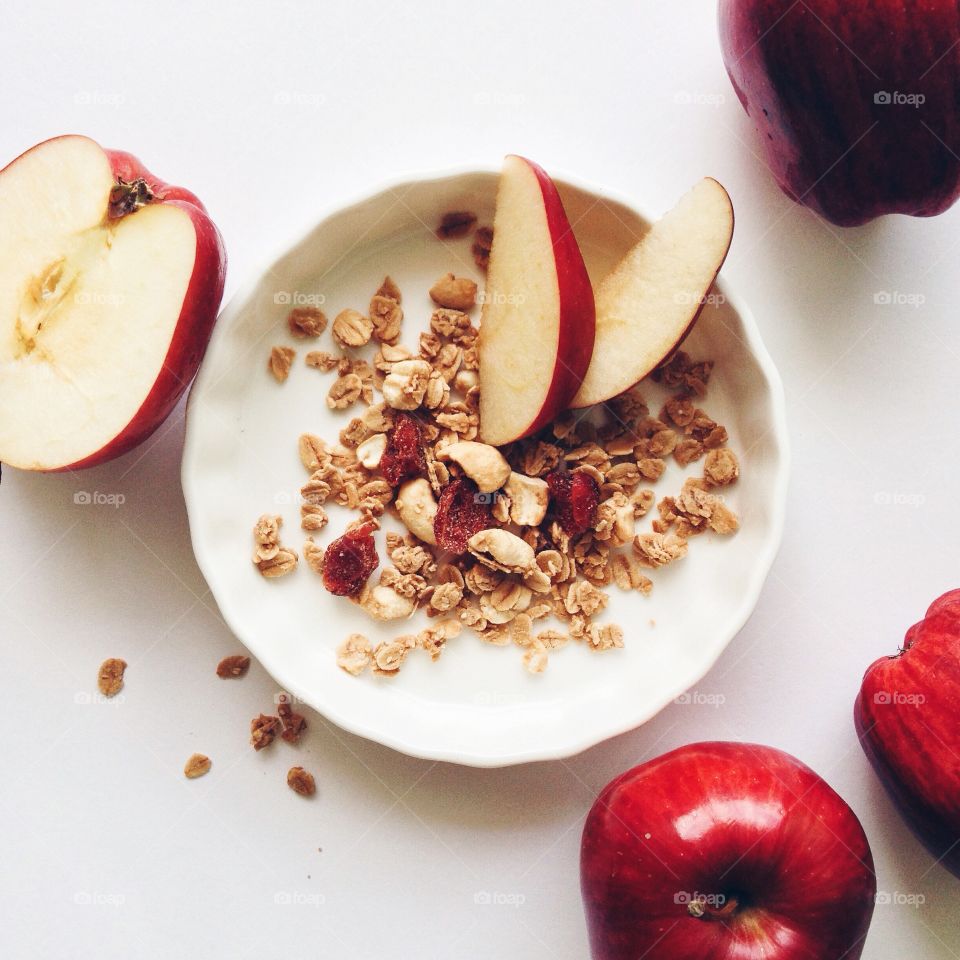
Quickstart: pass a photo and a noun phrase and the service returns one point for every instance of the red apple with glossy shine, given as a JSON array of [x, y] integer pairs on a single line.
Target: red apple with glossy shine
[[725, 851], [855, 101], [110, 282], [538, 322], [908, 719]]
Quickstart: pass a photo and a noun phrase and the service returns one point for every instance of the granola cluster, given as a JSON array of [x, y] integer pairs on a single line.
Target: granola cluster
[[500, 541]]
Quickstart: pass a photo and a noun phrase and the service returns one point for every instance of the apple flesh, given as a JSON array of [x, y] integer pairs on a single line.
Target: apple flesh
[[110, 282], [723, 851], [907, 716], [855, 103], [652, 299], [537, 325]]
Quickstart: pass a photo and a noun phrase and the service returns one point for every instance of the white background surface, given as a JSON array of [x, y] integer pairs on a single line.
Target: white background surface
[[269, 112]]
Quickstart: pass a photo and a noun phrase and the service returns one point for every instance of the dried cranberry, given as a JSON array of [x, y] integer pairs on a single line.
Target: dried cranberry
[[349, 561], [462, 512], [403, 457], [576, 497]]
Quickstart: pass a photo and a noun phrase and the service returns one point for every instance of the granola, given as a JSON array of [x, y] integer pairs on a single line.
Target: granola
[[541, 528], [110, 676], [301, 781], [281, 359], [306, 322], [197, 766], [233, 666]]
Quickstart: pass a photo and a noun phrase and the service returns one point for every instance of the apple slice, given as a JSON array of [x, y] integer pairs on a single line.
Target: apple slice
[[110, 281], [652, 299], [537, 327]]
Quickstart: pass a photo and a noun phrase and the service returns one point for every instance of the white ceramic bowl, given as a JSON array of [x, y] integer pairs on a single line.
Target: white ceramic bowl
[[476, 705]]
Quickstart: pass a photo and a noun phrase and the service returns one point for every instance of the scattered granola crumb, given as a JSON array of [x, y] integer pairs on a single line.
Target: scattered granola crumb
[[233, 666], [315, 555], [263, 730], [721, 467], [346, 390], [197, 766], [293, 723], [387, 318], [306, 322], [535, 658], [301, 781], [389, 289], [283, 562], [110, 676], [352, 329], [454, 293], [482, 243], [659, 549], [388, 657], [688, 451], [281, 359], [456, 224], [354, 655], [322, 360]]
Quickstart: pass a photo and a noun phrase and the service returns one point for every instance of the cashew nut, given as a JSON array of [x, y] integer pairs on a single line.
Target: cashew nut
[[404, 387], [501, 550], [483, 464], [371, 450], [384, 603], [417, 508], [529, 497]]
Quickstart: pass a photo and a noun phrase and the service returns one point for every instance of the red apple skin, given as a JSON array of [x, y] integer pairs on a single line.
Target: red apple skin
[[907, 716], [197, 316], [577, 308], [743, 822], [807, 74]]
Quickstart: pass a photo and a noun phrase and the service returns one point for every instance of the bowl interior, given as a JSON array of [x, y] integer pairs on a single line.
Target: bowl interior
[[476, 704]]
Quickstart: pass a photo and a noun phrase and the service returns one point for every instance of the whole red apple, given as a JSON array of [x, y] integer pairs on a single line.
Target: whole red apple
[[908, 719], [725, 851], [855, 100], [110, 282]]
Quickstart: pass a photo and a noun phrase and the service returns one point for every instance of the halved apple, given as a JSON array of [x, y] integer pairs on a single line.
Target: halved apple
[[110, 281], [537, 326], [652, 299]]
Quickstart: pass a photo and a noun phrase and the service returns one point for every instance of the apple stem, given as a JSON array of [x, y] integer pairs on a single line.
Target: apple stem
[[704, 909], [128, 196]]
